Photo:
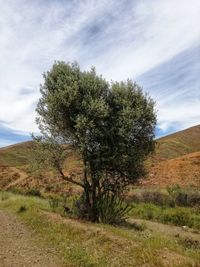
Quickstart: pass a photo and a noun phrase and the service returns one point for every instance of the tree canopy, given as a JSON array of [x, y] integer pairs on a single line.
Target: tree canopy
[[111, 124]]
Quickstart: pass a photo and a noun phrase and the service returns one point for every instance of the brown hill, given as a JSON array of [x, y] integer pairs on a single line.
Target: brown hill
[[184, 170], [177, 160]]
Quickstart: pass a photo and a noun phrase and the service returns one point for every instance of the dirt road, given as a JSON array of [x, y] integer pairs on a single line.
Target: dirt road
[[18, 247]]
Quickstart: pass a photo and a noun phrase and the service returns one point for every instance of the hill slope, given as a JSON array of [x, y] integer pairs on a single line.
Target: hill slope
[[177, 160], [178, 144]]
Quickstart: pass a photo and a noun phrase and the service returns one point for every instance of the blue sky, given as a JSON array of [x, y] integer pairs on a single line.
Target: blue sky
[[153, 42]]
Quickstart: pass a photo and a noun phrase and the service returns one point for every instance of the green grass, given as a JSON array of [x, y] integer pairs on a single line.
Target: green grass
[[17, 155], [178, 144], [86, 244], [179, 216]]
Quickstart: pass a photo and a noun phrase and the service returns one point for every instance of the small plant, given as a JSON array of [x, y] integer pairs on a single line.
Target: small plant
[[15, 190], [139, 227], [54, 204], [80, 208], [189, 243], [4, 196], [33, 192], [22, 208], [177, 217], [174, 192], [112, 210]]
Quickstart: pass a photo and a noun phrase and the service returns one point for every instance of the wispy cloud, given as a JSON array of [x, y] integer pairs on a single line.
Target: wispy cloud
[[154, 42]]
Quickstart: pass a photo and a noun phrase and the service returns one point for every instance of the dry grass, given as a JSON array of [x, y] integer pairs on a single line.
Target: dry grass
[[85, 244]]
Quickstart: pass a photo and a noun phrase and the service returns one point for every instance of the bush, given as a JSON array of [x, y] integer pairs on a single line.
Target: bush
[[33, 192], [112, 210], [4, 196], [15, 190], [193, 199], [154, 197], [182, 199], [177, 217], [146, 211], [22, 208], [80, 208], [54, 203]]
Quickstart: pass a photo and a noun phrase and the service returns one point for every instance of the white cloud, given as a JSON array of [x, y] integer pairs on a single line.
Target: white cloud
[[121, 38]]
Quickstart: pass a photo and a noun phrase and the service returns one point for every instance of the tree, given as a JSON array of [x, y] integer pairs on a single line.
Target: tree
[[110, 124]]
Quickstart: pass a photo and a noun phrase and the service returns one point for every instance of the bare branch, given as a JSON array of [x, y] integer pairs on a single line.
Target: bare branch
[[69, 179]]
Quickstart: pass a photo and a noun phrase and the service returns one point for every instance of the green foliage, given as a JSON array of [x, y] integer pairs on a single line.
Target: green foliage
[[80, 207], [110, 124], [173, 192], [177, 216], [15, 190], [85, 244], [48, 153], [4, 196], [175, 195], [112, 210], [54, 203], [22, 208], [33, 192]]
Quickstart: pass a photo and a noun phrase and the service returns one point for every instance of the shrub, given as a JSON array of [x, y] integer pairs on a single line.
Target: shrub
[[193, 199], [22, 208], [182, 199], [177, 217], [146, 211], [54, 203], [49, 188], [112, 210], [80, 208], [173, 192], [4, 196], [139, 227], [15, 190], [154, 197], [189, 243], [33, 192]]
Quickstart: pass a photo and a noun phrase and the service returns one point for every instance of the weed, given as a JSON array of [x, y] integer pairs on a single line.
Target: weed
[[33, 192], [22, 208], [54, 203]]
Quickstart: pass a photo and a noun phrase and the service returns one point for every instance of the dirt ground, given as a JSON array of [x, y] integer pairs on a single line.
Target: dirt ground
[[18, 247]]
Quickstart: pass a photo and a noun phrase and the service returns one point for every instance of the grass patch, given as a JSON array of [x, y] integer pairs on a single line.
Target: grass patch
[[179, 216], [86, 244]]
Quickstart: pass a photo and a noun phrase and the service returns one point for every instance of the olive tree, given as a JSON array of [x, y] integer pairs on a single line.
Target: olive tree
[[110, 124]]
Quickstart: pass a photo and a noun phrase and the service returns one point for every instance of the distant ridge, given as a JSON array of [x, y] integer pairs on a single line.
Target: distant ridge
[[178, 144]]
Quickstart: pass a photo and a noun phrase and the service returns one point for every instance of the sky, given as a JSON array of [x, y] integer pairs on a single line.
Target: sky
[[153, 42]]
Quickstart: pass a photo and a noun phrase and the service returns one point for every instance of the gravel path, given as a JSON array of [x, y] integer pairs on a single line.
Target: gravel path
[[17, 246]]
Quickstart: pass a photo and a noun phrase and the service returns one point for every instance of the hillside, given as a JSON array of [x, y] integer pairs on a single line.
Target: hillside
[[178, 144], [184, 170], [177, 160], [15, 171]]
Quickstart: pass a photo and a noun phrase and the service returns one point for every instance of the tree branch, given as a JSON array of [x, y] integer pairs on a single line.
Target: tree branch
[[69, 179]]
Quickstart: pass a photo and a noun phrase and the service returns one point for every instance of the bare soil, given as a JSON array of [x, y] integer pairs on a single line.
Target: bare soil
[[18, 247]]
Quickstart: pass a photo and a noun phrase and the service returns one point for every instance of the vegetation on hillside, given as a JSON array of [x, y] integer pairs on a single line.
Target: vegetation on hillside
[[178, 144]]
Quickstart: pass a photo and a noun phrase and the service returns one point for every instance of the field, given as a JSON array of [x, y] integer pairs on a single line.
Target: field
[[71, 242]]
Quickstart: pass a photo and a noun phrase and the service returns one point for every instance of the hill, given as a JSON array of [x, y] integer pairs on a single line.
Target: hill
[[178, 144], [176, 160], [184, 170]]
